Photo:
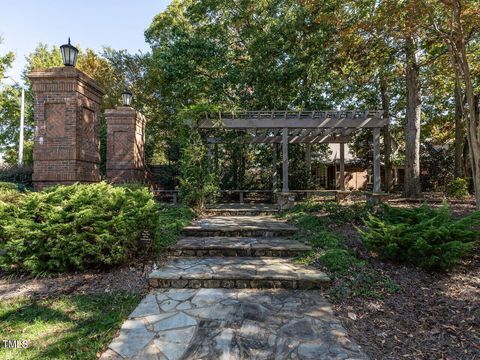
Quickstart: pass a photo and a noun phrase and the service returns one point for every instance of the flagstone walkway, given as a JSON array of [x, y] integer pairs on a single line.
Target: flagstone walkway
[[232, 291]]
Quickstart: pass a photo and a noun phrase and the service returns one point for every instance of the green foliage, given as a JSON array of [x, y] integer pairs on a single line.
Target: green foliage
[[197, 183], [8, 186], [9, 193], [339, 260], [333, 212], [68, 327], [351, 213], [436, 166], [353, 276], [458, 188], [5, 61], [10, 157], [21, 175], [422, 236], [9, 196], [171, 221], [74, 228]]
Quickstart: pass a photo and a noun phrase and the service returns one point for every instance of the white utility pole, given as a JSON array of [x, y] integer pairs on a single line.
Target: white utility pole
[[22, 125]]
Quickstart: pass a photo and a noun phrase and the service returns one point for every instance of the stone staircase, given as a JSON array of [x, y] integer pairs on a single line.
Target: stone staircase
[[238, 251], [203, 311]]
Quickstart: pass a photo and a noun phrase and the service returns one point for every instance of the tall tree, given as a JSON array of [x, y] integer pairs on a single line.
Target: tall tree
[[413, 115], [456, 23], [473, 120]]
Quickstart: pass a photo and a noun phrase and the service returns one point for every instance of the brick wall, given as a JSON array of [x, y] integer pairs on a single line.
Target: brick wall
[[67, 114], [125, 145]]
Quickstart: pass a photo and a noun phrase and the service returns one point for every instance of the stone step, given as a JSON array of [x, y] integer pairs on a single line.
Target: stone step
[[251, 226], [233, 272], [238, 246], [236, 209], [233, 324], [226, 212]]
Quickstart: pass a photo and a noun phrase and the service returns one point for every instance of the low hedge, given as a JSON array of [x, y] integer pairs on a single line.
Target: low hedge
[[20, 175], [8, 186], [423, 236], [75, 228]]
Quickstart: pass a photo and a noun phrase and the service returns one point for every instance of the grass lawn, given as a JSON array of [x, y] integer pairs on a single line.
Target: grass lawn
[[68, 327]]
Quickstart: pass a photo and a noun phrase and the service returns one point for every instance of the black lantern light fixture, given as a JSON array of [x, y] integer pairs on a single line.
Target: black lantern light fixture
[[127, 97], [69, 54]]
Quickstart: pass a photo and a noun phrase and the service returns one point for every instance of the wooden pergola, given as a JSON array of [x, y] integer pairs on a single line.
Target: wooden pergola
[[302, 127]]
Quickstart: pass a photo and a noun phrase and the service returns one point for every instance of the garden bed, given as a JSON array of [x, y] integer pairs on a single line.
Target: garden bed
[[404, 312], [131, 278], [430, 316]]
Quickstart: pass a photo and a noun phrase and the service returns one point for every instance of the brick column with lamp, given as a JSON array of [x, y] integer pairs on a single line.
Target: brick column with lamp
[[67, 115]]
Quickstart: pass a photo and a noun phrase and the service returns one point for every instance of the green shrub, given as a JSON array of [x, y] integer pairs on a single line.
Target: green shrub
[[339, 260], [326, 239], [10, 196], [21, 175], [196, 183], [74, 228], [334, 212], [351, 213], [352, 275], [422, 236], [171, 221], [458, 188], [8, 186]]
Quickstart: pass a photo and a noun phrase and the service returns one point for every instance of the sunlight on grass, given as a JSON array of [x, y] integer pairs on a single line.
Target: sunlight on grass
[[69, 327]]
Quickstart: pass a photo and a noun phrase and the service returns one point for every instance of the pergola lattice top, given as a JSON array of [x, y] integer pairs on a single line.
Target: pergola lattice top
[[303, 127]]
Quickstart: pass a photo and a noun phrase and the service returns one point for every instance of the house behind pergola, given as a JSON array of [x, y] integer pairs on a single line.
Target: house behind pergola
[[302, 127]]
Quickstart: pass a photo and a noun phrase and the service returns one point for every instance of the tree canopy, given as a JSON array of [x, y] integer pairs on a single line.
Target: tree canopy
[[418, 60]]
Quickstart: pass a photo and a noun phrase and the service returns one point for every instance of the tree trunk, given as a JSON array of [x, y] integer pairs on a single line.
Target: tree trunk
[[387, 139], [473, 121], [459, 171], [412, 128]]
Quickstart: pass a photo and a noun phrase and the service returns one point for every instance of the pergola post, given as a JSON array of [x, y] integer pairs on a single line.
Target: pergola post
[[215, 156], [285, 160], [342, 166], [376, 161], [308, 159], [275, 161], [209, 157]]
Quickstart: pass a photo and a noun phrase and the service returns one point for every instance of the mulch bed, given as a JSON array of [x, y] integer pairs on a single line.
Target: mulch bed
[[132, 278], [431, 316]]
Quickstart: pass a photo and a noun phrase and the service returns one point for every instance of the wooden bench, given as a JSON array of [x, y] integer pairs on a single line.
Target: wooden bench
[[172, 193]]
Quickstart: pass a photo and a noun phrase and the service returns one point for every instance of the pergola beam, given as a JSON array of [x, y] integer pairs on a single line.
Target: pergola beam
[[330, 139], [313, 134], [295, 120], [239, 124]]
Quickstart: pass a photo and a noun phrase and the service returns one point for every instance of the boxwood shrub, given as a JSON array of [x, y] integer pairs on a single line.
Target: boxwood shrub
[[423, 236], [74, 228]]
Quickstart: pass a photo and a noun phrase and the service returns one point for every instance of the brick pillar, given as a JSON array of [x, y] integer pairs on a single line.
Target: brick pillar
[[125, 145], [67, 114]]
